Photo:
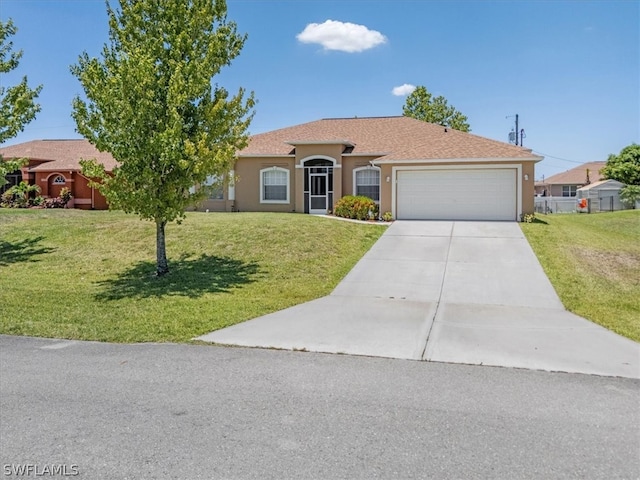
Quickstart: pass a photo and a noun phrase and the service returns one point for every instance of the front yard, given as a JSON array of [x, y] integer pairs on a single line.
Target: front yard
[[89, 275], [593, 261]]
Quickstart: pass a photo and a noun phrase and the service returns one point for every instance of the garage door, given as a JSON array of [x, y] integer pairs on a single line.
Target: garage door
[[464, 194]]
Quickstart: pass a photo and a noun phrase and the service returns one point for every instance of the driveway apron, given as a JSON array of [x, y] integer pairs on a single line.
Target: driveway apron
[[446, 291]]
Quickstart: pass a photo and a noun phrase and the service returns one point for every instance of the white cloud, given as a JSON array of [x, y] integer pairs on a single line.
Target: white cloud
[[345, 37], [403, 90]]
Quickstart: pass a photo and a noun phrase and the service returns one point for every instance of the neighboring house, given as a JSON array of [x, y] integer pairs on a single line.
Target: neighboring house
[[55, 164], [602, 196], [567, 183], [413, 169]]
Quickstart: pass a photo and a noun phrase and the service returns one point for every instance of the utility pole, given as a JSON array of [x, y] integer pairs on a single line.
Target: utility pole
[[513, 135]]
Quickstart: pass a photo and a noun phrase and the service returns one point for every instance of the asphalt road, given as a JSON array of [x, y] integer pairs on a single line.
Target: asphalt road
[[188, 412]]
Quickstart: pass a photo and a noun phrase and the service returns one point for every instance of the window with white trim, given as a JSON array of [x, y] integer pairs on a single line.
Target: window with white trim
[[367, 182], [569, 190], [274, 185], [59, 180]]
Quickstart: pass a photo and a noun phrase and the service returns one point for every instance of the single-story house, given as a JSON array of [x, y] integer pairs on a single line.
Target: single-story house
[[55, 164], [413, 169], [602, 196], [566, 184]]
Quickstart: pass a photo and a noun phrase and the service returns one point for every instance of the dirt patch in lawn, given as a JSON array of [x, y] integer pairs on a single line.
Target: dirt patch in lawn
[[615, 266]]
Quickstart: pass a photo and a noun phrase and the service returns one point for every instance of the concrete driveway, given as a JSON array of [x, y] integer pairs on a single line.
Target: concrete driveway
[[445, 291]]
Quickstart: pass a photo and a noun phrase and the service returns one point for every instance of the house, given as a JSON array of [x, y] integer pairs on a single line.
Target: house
[[413, 169], [566, 184], [55, 164], [602, 196]]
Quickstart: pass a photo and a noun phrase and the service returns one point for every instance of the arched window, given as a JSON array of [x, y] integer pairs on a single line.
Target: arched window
[[59, 180], [366, 182], [274, 185]]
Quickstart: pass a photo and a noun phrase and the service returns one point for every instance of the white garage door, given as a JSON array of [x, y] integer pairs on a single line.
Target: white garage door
[[464, 194]]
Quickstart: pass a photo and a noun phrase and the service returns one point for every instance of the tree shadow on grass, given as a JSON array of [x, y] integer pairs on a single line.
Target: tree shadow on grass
[[187, 277], [23, 251], [539, 220]]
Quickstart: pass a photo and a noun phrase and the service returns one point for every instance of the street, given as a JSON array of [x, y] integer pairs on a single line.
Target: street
[[156, 411]]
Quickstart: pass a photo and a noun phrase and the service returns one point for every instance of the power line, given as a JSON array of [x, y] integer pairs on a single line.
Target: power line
[[557, 158]]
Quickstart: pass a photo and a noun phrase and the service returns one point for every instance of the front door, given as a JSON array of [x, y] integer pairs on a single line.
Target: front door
[[318, 193]]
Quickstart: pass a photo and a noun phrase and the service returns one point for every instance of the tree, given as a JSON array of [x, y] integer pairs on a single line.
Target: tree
[[420, 104], [17, 103], [150, 102], [624, 167], [630, 195]]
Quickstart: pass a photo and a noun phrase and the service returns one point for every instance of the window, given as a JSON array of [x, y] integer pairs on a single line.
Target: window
[[214, 186], [274, 185], [367, 182], [59, 180], [569, 190]]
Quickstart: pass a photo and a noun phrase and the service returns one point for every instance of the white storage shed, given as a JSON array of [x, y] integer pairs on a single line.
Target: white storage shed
[[602, 196]]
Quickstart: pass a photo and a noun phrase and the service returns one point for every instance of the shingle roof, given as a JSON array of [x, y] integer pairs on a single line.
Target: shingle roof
[[577, 175], [392, 138], [58, 155]]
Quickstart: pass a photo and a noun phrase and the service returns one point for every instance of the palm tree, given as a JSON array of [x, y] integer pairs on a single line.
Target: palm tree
[[22, 192]]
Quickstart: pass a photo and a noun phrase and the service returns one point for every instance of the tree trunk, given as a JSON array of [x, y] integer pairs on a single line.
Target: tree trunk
[[161, 250]]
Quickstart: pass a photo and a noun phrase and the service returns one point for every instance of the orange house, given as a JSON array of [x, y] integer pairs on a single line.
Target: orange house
[[55, 164]]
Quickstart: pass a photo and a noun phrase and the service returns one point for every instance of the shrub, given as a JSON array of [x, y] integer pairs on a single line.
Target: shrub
[[7, 199], [65, 195], [356, 207], [20, 196], [630, 194], [387, 217], [56, 202]]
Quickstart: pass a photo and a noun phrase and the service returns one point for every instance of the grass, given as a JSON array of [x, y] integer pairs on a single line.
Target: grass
[[90, 275], [593, 261]]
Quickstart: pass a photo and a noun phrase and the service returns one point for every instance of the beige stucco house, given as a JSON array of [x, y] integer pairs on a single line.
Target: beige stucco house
[[566, 184], [413, 169]]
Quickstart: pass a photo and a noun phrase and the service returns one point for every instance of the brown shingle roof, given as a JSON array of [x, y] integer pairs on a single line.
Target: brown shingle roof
[[59, 155], [577, 175], [392, 138]]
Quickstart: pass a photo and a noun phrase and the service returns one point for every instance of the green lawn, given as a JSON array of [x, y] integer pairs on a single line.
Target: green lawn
[[593, 261], [89, 275]]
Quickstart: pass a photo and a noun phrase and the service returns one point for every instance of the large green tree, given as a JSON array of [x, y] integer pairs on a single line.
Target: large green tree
[[421, 104], [624, 167], [17, 103], [151, 103]]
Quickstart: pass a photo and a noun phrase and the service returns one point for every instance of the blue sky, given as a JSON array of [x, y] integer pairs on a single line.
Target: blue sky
[[570, 69]]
